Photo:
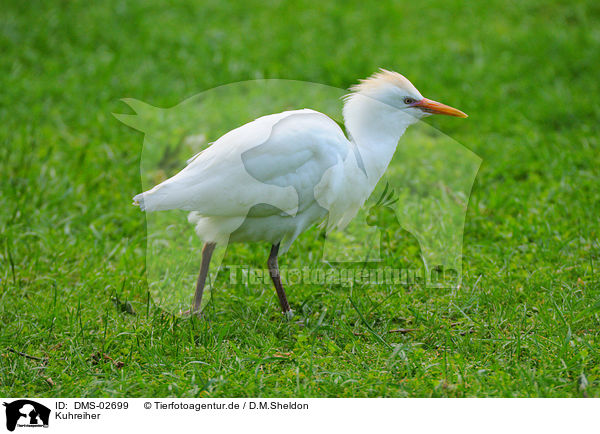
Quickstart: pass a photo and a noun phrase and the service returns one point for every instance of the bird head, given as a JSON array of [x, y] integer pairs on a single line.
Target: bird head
[[399, 94], [381, 107]]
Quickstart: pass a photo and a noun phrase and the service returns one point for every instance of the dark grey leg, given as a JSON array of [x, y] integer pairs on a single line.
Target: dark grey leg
[[207, 252], [274, 271]]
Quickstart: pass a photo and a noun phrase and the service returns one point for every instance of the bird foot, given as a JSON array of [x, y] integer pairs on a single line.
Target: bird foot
[[289, 314], [188, 313]]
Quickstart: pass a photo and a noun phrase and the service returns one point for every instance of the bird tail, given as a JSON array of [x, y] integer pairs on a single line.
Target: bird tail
[[138, 200], [153, 200], [162, 197]]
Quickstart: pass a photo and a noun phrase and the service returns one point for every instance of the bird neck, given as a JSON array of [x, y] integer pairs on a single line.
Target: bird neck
[[375, 128]]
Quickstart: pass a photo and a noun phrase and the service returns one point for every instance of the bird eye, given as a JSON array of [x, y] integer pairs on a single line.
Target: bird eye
[[409, 100]]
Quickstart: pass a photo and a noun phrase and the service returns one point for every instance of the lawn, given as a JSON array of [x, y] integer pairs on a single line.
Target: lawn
[[74, 292]]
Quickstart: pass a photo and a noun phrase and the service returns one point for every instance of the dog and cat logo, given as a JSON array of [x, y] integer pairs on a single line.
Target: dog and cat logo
[[26, 413]]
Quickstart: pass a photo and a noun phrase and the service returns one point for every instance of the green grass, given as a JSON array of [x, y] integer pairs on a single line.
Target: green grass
[[525, 321]]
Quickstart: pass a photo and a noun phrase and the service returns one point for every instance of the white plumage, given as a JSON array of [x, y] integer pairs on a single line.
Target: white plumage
[[273, 178]]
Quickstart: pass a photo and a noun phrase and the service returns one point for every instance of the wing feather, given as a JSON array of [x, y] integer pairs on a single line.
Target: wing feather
[[275, 160]]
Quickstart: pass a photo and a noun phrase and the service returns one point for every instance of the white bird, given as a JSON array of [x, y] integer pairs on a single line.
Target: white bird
[[273, 178]]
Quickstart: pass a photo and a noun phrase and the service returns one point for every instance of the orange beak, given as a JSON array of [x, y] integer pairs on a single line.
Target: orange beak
[[438, 108]]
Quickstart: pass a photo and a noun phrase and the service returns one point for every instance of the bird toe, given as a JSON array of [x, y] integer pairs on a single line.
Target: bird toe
[[188, 313]]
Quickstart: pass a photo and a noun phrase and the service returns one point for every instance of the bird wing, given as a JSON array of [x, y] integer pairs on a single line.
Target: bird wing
[[275, 160]]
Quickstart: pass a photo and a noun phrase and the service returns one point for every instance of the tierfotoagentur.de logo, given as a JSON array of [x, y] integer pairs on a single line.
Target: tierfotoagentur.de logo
[[356, 196], [25, 413]]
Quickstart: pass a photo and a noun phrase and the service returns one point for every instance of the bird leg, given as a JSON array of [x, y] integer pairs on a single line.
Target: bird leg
[[207, 252], [274, 272]]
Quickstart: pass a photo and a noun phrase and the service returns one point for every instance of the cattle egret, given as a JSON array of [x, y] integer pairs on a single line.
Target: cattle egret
[[273, 178]]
